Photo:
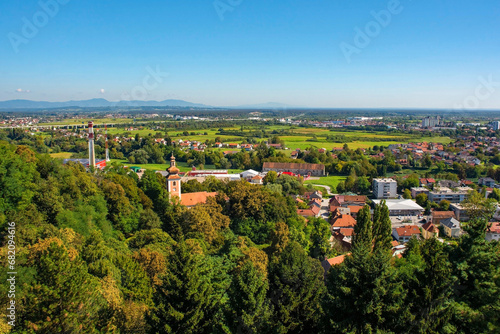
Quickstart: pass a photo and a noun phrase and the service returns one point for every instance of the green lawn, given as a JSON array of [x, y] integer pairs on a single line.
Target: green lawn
[[331, 181]]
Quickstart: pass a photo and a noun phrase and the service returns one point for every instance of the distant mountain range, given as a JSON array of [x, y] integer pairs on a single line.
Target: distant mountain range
[[96, 103]]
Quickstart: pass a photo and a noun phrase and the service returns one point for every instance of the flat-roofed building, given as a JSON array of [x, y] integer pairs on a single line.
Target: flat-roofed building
[[419, 190], [460, 212], [453, 196], [385, 188], [402, 207]]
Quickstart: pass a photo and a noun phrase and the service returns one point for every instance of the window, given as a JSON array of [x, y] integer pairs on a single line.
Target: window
[[174, 183], [175, 189]]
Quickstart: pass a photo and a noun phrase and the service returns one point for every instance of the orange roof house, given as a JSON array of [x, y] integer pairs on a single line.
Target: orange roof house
[[429, 230], [343, 221], [437, 216]]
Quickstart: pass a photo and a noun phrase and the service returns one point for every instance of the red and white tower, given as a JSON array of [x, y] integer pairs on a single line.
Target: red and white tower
[[91, 145]]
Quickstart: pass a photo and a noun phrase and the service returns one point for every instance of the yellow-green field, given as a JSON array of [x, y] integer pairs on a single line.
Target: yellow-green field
[[62, 155]]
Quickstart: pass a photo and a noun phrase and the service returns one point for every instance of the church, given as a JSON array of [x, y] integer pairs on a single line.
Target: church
[[174, 188]]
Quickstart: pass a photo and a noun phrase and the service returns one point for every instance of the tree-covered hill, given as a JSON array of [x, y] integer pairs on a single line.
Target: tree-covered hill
[[105, 252]]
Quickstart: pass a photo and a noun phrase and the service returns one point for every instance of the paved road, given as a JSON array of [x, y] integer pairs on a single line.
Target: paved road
[[328, 189]]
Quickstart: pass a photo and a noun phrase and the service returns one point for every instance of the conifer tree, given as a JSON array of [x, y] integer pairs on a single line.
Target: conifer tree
[[296, 289], [382, 228], [248, 309], [181, 302]]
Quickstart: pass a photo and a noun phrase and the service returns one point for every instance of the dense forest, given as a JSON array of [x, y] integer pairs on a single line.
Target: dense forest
[[107, 252]]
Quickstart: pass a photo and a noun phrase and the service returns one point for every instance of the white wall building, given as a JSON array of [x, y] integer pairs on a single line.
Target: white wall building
[[443, 193], [385, 188]]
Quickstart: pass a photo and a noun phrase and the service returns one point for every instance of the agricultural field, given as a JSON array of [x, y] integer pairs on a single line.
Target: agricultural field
[[62, 155], [300, 138]]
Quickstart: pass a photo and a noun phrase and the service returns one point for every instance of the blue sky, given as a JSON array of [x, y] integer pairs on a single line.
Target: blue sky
[[427, 54]]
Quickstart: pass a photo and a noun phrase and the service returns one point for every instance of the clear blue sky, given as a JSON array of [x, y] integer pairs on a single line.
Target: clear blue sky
[[430, 55]]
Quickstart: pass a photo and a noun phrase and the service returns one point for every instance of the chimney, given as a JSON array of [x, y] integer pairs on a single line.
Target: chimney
[[107, 149], [91, 145]]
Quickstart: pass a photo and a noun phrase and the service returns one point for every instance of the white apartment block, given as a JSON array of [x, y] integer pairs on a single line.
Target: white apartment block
[[385, 188], [453, 196]]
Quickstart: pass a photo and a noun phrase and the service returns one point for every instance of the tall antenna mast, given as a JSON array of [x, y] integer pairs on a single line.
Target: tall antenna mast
[[106, 134]]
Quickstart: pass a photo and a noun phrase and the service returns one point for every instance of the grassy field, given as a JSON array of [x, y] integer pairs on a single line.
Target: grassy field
[[62, 155], [331, 181]]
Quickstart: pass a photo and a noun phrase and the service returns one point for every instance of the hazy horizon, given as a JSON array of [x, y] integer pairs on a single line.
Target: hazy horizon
[[382, 54]]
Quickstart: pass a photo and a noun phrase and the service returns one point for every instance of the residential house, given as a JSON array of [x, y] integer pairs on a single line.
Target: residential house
[[487, 181], [493, 232], [451, 227], [429, 230], [427, 182], [328, 263], [313, 211], [437, 216], [257, 179], [405, 233], [342, 221]]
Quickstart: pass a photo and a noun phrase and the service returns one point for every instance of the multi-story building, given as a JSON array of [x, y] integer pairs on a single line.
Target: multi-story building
[[495, 125], [431, 122], [419, 190], [385, 188], [453, 196]]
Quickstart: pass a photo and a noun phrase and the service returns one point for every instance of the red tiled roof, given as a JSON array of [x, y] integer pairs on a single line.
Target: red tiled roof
[[359, 199], [443, 214], [191, 199], [355, 208], [494, 228], [430, 227], [408, 231], [344, 221], [347, 232], [306, 212], [336, 260]]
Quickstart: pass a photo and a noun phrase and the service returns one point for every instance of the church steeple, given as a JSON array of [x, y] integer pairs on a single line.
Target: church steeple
[[173, 179]]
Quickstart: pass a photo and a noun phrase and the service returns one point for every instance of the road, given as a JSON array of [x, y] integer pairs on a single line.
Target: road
[[325, 203]]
